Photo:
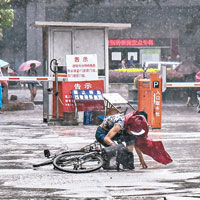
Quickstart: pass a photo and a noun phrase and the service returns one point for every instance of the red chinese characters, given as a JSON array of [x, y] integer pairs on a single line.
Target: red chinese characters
[[131, 42]]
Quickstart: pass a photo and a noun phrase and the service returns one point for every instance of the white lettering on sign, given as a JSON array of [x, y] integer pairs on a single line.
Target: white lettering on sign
[[157, 114], [157, 108], [157, 93], [77, 86], [88, 86], [82, 67], [157, 102], [156, 84]]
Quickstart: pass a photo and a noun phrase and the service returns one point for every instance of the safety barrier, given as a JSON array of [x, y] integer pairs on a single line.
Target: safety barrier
[[182, 84], [31, 78], [60, 79]]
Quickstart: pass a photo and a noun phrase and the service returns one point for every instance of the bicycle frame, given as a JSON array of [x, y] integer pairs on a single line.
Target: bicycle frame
[[93, 147]]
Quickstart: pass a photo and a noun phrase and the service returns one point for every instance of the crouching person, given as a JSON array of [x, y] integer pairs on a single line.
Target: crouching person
[[120, 128], [132, 129]]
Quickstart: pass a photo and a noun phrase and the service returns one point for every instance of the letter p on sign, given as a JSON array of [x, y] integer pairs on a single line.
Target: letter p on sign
[[155, 84]]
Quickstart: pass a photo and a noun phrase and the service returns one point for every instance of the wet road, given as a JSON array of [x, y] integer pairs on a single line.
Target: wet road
[[24, 136]]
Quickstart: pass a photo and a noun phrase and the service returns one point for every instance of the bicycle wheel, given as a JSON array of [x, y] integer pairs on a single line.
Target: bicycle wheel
[[78, 162], [48, 162]]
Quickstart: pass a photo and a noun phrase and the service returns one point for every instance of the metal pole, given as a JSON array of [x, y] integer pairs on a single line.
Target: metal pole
[[55, 70], [56, 93], [164, 77], [145, 71]]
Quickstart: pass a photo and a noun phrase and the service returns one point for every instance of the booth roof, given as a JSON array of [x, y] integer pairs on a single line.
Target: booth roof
[[111, 26]]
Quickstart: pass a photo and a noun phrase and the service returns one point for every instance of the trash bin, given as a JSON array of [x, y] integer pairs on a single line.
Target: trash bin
[[87, 119], [0, 96]]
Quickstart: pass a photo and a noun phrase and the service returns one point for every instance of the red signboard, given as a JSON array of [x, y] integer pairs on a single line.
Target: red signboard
[[131, 42], [66, 102]]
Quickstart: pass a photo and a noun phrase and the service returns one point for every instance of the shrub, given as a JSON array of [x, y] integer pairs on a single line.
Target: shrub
[[122, 77], [137, 70], [116, 76]]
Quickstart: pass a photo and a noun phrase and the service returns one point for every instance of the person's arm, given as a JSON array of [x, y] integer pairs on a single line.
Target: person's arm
[[139, 153], [111, 134]]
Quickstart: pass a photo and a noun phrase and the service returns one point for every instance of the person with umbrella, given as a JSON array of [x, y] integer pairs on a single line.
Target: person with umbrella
[[29, 67], [32, 84]]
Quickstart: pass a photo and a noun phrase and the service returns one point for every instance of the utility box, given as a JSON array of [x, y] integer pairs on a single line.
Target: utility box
[[150, 99]]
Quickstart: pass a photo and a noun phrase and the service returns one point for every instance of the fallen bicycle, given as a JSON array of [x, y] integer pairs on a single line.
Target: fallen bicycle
[[87, 159]]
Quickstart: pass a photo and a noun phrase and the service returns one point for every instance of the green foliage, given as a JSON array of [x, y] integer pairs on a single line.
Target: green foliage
[[6, 15]]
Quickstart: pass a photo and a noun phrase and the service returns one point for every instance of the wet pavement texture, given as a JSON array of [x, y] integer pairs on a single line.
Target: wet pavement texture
[[24, 136]]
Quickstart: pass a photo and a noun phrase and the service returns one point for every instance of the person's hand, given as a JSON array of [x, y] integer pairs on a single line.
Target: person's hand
[[144, 166]]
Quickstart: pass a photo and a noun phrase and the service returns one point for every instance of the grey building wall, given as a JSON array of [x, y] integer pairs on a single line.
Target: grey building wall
[[148, 20], [35, 12], [24, 42]]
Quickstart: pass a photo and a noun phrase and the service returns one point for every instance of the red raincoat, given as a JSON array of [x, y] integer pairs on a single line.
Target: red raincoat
[[154, 149]]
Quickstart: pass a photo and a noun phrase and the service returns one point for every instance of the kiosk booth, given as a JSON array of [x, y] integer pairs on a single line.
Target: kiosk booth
[[73, 38]]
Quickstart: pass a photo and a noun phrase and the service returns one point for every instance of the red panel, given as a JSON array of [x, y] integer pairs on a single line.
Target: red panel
[[66, 97]]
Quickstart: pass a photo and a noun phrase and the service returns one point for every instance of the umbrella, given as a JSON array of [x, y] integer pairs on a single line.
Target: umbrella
[[26, 65], [173, 75], [197, 77], [187, 68], [3, 63]]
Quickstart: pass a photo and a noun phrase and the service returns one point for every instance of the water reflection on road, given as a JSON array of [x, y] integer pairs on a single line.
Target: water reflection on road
[[24, 136]]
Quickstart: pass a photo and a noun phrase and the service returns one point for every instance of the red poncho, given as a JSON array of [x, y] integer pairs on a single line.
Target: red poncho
[[154, 149]]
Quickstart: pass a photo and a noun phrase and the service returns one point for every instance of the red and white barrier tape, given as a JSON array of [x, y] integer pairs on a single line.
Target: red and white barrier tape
[[29, 78], [62, 79], [182, 84]]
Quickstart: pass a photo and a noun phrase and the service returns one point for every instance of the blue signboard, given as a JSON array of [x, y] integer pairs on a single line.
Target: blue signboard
[[87, 95]]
